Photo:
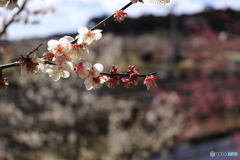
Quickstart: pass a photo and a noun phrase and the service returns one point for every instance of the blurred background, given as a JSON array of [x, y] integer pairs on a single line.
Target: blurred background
[[194, 46]]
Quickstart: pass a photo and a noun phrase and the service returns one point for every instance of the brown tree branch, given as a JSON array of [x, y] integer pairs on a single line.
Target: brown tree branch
[[13, 17], [10, 65], [127, 74], [36, 49]]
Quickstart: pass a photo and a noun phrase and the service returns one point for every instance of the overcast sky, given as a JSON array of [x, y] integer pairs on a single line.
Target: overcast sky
[[71, 14]]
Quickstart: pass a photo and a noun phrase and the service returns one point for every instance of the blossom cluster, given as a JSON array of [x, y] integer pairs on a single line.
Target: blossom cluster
[[9, 4], [68, 55], [162, 2], [63, 57]]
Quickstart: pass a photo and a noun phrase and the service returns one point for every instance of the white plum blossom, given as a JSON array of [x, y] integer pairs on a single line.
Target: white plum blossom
[[94, 82], [69, 38], [78, 52], [67, 65], [12, 4], [41, 65], [88, 36], [65, 62], [60, 47], [81, 70], [85, 70], [57, 72], [28, 65], [94, 71], [91, 74], [26, 73], [93, 78], [162, 2]]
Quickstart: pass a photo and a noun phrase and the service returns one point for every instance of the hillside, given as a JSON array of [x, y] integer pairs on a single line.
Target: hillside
[[218, 20]]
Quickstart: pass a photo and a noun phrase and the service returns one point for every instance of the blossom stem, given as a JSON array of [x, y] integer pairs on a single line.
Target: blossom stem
[[127, 74]]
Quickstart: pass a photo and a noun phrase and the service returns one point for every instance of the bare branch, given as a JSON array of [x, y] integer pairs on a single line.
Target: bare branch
[[127, 74], [10, 65], [36, 49], [12, 19]]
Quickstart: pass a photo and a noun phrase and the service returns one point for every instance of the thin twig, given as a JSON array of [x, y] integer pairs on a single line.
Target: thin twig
[[36, 49], [127, 74]]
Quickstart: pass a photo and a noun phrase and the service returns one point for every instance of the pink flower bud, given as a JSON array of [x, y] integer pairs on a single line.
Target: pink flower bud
[[3, 83], [120, 15]]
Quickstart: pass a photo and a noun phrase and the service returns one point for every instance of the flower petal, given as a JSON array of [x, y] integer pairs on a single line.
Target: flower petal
[[65, 74], [85, 54], [88, 83], [55, 75], [67, 65], [82, 30], [87, 65], [69, 38], [98, 66], [52, 43], [97, 31], [80, 40]]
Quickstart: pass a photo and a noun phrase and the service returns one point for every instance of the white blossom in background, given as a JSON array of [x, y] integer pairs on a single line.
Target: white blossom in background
[[88, 36], [152, 129], [9, 4], [162, 2], [12, 4]]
